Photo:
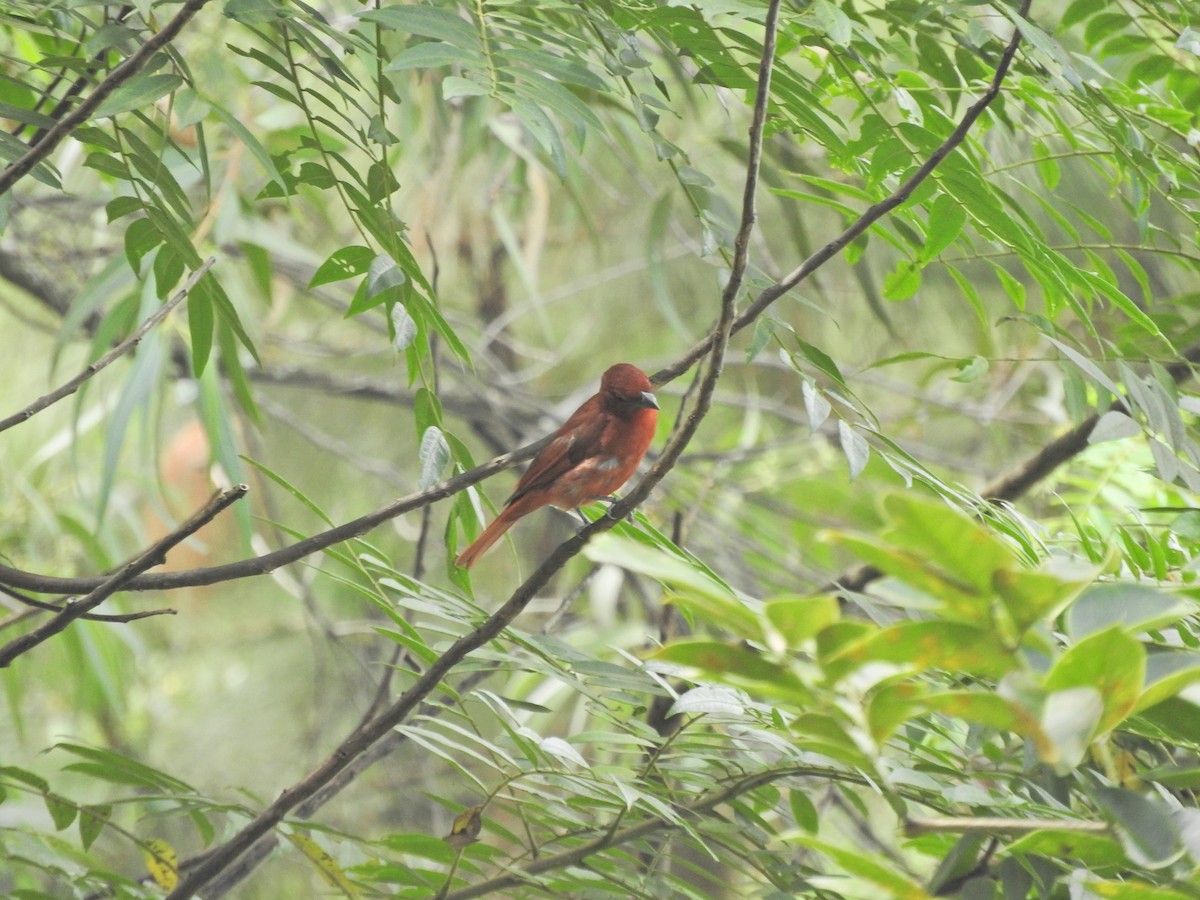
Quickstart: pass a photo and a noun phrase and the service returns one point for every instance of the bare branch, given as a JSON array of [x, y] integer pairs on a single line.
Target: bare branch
[[51, 138], [269, 562], [111, 356], [91, 617], [156, 555]]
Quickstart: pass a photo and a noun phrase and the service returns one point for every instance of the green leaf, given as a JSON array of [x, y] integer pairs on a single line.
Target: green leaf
[[434, 454], [1114, 426], [257, 150], [1147, 829], [429, 55], [382, 274], [799, 618], [924, 646], [870, 868], [1134, 607], [764, 328], [1090, 850], [454, 87], [343, 263], [1109, 661], [803, 811], [816, 407], [669, 568], [61, 811], [902, 282], [738, 666], [427, 21], [1030, 597], [1071, 719], [92, 820], [140, 91], [970, 370], [946, 220], [708, 699], [291, 489], [959, 546], [1086, 366], [821, 360], [855, 447], [254, 12], [201, 324], [1167, 674]]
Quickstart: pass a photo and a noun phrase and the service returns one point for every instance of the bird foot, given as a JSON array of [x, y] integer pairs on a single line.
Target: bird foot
[[610, 501]]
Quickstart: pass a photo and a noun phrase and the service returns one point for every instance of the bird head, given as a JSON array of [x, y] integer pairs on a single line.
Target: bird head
[[626, 387]]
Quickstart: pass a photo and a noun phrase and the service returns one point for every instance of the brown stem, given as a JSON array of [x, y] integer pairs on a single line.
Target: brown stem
[[122, 73], [111, 356], [155, 556]]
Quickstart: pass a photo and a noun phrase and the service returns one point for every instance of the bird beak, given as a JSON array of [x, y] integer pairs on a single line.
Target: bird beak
[[647, 400]]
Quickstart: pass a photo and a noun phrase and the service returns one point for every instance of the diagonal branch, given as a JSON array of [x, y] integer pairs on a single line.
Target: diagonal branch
[[111, 356], [365, 736], [1014, 483], [155, 556], [576, 855], [862, 223], [269, 562], [54, 136]]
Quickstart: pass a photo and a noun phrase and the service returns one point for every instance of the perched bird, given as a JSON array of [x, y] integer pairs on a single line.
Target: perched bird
[[590, 456]]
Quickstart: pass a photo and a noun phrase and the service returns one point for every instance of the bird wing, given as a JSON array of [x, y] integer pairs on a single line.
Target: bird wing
[[579, 438]]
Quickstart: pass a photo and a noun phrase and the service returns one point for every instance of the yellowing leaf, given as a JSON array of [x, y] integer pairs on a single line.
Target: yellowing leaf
[[329, 870], [161, 864], [466, 827]]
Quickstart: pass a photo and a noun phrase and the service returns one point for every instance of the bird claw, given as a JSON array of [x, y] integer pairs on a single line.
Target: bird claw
[[610, 501]]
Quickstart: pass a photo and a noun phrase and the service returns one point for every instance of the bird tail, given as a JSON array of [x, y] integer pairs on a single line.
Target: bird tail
[[489, 536]]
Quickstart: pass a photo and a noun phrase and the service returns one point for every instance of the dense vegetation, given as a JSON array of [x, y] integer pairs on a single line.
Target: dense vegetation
[[903, 601]]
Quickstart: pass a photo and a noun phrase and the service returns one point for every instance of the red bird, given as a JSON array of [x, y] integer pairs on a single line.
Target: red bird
[[591, 455]]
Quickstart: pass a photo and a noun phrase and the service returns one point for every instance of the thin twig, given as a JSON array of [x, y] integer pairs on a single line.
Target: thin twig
[[156, 555], [122, 73], [91, 617], [111, 356], [617, 837]]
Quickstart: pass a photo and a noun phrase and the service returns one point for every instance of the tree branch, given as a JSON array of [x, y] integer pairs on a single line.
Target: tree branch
[[863, 222], [576, 855], [111, 356], [362, 739], [156, 555], [1014, 483], [269, 562], [54, 136], [91, 617]]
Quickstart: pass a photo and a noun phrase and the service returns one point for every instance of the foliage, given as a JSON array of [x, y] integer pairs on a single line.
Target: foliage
[[912, 608]]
